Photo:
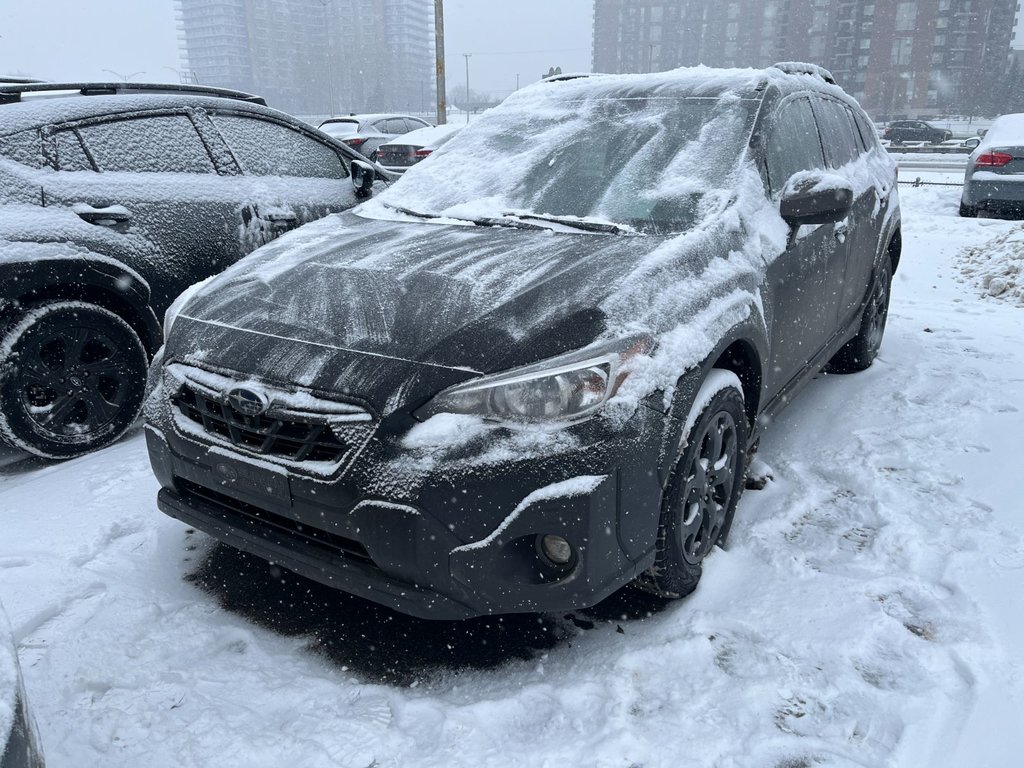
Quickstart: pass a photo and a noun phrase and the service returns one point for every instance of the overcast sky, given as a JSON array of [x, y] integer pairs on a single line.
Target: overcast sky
[[78, 39]]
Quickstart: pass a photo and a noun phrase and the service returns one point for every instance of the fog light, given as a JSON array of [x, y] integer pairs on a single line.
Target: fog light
[[556, 549]]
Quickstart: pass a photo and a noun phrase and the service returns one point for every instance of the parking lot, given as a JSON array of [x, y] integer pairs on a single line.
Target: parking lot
[[867, 611]]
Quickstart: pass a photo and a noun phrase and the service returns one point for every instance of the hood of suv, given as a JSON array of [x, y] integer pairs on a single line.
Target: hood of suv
[[353, 300]]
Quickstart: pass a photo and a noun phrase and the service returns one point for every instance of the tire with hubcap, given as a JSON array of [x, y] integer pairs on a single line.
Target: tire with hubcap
[[72, 379], [701, 495], [860, 351]]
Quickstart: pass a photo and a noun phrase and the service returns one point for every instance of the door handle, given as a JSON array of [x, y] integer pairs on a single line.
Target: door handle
[[282, 216], [105, 217]]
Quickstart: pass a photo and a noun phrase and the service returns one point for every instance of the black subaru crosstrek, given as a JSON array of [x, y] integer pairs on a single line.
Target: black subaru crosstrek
[[115, 197], [532, 371]]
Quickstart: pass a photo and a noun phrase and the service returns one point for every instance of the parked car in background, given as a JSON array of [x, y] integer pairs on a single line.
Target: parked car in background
[[366, 133], [901, 131], [398, 155], [19, 742], [113, 199], [994, 179], [533, 370]]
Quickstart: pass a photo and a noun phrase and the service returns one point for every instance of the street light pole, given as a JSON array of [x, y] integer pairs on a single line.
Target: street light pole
[[467, 55], [442, 107], [126, 78]]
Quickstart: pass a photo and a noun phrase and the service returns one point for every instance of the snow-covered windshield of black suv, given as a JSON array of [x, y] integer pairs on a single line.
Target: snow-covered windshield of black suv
[[657, 163]]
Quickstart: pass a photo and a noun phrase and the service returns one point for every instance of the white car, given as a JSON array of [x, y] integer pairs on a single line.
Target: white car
[[398, 155], [364, 133]]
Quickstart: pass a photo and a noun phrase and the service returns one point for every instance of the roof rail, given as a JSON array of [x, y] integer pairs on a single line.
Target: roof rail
[[19, 80], [11, 93], [803, 68]]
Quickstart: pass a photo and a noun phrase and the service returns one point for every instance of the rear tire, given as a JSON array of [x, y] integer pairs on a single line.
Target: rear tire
[[701, 496], [72, 378], [860, 351]]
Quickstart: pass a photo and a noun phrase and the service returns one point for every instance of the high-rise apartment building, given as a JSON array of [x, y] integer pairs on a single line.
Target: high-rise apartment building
[[898, 57], [313, 57]]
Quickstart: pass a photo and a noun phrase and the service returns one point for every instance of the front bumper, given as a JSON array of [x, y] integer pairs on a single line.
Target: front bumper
[[437, 542]]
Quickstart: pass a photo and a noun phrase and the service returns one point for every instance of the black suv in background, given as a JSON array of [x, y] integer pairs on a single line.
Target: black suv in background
[[115, 197], [532, 371], [901, 131]]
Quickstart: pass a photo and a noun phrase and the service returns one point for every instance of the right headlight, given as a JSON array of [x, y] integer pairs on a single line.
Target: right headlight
[[564, 388]]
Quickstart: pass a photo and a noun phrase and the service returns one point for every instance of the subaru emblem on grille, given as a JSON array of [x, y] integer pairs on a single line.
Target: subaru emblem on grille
[[247, 402]]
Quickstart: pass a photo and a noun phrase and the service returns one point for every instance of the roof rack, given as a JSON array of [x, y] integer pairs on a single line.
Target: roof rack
[[19, 80], [803, 68], [11, 93]]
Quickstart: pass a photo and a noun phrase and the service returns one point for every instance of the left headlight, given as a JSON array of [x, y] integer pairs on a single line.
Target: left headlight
[[560, 389]]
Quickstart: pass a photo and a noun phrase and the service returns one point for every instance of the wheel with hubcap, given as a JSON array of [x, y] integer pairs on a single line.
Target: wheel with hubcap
[[860, 351], [701, 496], [72, 378]]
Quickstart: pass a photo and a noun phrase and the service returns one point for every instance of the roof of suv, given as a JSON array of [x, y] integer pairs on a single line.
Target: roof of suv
[[43, 110]]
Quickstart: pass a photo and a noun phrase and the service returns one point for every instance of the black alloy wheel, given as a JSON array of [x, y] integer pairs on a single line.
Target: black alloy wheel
[[701, 496], [72, 381], [860, 351]]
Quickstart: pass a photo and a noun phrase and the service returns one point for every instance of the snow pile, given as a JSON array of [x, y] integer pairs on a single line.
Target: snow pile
[[997, 267]]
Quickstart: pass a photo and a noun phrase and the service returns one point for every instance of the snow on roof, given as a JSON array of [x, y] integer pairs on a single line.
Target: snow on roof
[[34, 112], [1007, 130]]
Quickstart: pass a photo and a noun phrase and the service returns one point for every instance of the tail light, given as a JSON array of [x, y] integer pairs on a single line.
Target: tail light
[[421, 153], [992, 160], [355, 143]]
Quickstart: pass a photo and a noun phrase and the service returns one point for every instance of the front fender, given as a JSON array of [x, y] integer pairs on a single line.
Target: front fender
[[34, 272]]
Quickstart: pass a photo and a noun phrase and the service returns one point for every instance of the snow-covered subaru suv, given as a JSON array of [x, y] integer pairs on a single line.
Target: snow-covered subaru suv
[[533, 371], [113, 199]]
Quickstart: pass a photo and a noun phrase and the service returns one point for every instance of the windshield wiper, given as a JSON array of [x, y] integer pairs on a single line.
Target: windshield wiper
[[583, 226], [492, 221]]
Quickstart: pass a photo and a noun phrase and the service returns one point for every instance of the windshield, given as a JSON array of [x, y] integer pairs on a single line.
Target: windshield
[[654, 163]]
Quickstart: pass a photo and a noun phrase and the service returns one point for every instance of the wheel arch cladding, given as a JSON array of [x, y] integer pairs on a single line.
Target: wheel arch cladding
[[741, 358], [895, 248]]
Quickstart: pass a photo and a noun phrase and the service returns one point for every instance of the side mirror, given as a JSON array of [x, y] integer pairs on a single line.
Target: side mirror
[[363, 176], [816, 198]]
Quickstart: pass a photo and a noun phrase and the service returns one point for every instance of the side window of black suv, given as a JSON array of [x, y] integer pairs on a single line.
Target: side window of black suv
[[264, 148], [842, 145], [793, 143], [155, 143]]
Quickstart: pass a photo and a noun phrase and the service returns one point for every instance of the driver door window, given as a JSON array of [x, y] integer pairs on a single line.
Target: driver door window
[[793, 144]]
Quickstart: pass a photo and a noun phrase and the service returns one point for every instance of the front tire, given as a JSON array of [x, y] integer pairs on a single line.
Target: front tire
[[701, 496], [72, 379]]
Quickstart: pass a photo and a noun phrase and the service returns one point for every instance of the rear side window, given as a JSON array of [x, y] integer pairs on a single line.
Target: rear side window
[[793, 143], [841, 146], [24, 147], [867, 130], [157, 144], [264, 148]]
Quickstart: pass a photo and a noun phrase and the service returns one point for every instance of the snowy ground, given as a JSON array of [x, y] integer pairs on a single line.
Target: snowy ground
[[867, 612]]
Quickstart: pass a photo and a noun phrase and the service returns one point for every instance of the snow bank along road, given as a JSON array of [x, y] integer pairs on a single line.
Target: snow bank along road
[[867, 612]]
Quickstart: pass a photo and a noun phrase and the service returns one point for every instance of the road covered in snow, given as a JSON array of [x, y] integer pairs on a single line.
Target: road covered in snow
[[868, 610]]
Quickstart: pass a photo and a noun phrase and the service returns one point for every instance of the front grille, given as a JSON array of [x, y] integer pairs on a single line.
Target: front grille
[[292, 440], [235, 511]]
